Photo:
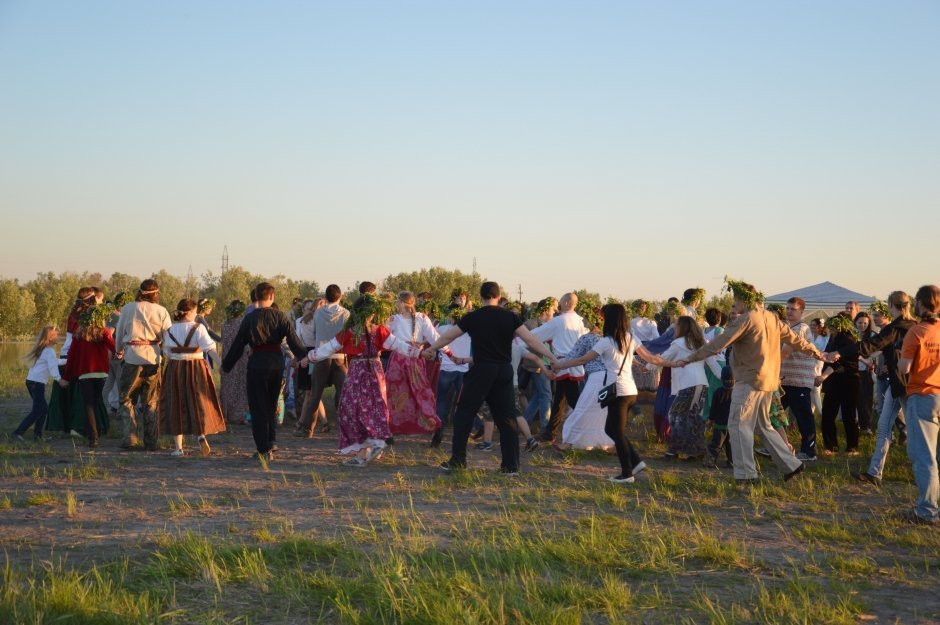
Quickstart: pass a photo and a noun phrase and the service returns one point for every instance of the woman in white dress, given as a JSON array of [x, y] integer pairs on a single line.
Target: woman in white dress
[[616, 349]]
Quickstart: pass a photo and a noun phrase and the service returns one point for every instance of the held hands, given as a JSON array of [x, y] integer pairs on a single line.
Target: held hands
[[831, 357], [63, 383], [304, 362], [429, 354], [818, 380], [679, 364]]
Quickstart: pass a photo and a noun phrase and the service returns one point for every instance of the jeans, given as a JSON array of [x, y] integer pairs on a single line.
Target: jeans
[[881, 386], [447, 382], [923, 428], [541, 401], [37, 416], [799, 400], [890, 406]]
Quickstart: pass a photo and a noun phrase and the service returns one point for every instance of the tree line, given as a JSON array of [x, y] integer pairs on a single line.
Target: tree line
[[47, 298]]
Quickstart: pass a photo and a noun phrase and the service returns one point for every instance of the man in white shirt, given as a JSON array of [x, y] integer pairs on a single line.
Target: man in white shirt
[[138, 339], [563, 331]]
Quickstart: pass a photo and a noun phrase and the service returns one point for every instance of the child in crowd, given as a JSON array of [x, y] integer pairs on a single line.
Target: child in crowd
[[44, 365]]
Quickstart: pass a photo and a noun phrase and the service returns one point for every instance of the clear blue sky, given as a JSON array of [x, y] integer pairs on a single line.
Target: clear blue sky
[[631, 148]]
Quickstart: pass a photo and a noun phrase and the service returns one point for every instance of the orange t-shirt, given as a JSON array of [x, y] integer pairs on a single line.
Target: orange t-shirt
[[922, 346]]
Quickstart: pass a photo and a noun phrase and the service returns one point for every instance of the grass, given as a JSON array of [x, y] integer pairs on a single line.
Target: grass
[[401, 543]]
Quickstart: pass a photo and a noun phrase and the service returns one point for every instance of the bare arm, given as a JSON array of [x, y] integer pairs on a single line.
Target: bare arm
[[652, 358], [444, 339], [536, 346]]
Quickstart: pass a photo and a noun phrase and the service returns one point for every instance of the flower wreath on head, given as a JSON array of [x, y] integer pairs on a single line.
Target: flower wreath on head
[[841, 323], [744, 292], [879, 307], [96, 316], [368, 305], [205, 304]]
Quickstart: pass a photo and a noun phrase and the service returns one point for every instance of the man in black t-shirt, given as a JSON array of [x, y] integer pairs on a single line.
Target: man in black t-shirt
[[264, 329], [491, 329]]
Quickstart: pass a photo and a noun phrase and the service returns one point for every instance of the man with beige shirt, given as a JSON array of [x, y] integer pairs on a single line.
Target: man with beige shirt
[[757, 335], [138, 337]]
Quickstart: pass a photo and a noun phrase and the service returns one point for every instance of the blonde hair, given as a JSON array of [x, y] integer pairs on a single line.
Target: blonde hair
[[43, 340]]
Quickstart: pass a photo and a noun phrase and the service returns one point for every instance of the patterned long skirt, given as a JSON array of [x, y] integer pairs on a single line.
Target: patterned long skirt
[[234, 390], [411, 405], [189, 403], [363, 411], [685, 420]]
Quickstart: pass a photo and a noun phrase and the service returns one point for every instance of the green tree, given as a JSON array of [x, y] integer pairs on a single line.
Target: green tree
[[119, 282], [54, 295], [17, 310], [172, 289], [439, 281], [236, 283]]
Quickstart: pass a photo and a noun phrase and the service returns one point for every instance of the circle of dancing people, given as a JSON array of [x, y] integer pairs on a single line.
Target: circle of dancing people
[[403, 366]]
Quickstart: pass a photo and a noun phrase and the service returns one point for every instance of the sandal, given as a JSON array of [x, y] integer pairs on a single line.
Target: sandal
[[356, 462]]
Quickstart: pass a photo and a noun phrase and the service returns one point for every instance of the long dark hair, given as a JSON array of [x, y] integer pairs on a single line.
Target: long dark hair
[[615, 324]]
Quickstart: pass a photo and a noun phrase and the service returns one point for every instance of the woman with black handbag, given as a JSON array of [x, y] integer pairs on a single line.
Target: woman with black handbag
[[616, 349]]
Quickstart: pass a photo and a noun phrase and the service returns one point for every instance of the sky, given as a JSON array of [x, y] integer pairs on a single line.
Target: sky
[[629, 148]]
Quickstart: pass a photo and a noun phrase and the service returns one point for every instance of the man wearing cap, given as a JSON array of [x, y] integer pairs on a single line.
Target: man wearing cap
[[137, 340]]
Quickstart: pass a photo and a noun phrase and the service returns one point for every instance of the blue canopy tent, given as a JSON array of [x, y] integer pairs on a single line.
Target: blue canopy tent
[[825, 297]]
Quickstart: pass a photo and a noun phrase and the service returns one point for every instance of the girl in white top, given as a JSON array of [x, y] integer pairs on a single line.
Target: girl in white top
[[690, 386], [616, 349], [189, 403], [45, 365], [412, 403], [643, 328]]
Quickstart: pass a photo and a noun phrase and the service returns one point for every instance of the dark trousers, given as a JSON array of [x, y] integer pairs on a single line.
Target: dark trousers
[[566, 391], [449, 384], [800, 402], [263, 386], [91, 394], [616, 427], [840, 391], [866, 399], [37, 416], [719, 441], [139, 389], [491, 382], [329, 372]]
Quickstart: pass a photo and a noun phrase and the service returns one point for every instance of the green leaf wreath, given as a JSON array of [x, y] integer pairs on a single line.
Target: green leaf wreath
[[96, 316], [744, 292], [368, 305], [841, 323], [879, 307]]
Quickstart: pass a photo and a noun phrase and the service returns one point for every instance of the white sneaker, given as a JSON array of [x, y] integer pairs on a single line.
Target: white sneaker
[[639, 467], [622, 479], [176, 453], [204, 446], [74, 434]]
